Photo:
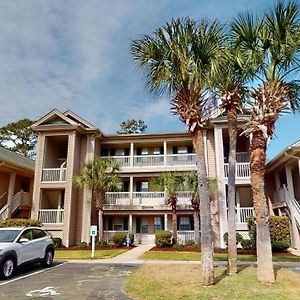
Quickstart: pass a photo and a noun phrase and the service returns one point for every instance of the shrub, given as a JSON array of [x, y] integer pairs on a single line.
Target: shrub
[[82, 244], [247, 244], [57, 242], [190, 243], [118, 238], [279, 232], [20, 223], [280, 246], [101, 244], [239, 238], [178, 246], [163, 238]]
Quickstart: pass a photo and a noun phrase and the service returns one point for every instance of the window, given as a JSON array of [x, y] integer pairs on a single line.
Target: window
[[156, 151], [38, 233], [145, 186], [184, 223], [157, 223], [120, 152], [144, 225], [27, 234], [182, 150], [118, 224], [144, 151]]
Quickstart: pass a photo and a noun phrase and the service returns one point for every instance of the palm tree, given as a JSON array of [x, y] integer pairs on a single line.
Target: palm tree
[[170, 183], [177, 59], [190, 183], [101, 176], [229, 84], [271, 44]]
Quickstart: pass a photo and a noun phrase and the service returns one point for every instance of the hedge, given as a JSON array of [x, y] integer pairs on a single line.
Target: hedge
[[119, 238], [20, 223], [163, 238], [279, 232]]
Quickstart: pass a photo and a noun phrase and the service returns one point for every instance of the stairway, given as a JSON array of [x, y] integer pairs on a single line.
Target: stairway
[[18, 199]]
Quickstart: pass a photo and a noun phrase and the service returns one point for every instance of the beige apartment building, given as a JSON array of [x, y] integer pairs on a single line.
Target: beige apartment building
[[66, 141], [283, 187], [16, 185]]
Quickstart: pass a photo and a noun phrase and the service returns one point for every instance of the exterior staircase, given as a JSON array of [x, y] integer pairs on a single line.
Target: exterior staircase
[[20, 199]]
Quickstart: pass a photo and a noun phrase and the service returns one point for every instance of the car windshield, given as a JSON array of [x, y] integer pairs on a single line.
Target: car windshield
[[8, 236]]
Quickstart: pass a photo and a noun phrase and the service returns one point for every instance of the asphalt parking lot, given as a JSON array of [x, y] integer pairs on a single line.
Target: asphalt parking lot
[[68, 281]]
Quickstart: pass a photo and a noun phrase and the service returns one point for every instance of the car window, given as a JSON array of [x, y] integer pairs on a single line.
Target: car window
[[27, 234], [38, 233], [8, 236]]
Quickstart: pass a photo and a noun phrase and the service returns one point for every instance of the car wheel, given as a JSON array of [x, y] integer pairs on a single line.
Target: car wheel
[[7, 267], [48, 258]]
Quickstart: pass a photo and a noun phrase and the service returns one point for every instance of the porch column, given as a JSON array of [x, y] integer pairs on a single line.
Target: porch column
[[238, 205], [166, 221], [289, 180], [222, 206], [165, 153], [130, 223], [131, 155], [58, 208], [11, 191], [131, 189], [205, 149]]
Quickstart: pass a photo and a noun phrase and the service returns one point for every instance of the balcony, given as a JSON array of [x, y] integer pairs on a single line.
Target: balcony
[[159, 160], [149, 198], [242, 170], [51, 216], [54, 175], [242, 213]]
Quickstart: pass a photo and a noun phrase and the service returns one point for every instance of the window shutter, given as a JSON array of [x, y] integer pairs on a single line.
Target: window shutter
[[126, 152], [104, 152], [175, 150], [112, 152], [125, 186], [138, 224], [178, 222], [190, 149], [138, 186], [162, 223], [125, 223], [192, 223], [161, 150], [110, 223], [138, 151]]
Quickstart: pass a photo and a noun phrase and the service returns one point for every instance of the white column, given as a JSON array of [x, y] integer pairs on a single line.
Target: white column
[[11, 191], [166, 221], [219, 157], [131, 189], [130, 224], [238, 205], [205, 150], [131, 154], [289, 180], [165, 153]]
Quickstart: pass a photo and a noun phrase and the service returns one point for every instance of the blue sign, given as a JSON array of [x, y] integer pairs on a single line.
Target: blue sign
[[93, 230]]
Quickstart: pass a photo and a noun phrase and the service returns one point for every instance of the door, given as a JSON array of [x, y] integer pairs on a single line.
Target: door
[[39, 241], [27, 250]]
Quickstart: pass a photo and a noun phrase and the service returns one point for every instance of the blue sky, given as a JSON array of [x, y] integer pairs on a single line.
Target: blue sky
[[75, 55]]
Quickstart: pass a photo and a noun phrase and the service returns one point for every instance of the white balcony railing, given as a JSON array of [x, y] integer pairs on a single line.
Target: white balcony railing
[[117, 198], [184, 198], [123, 161], [242, 170], [54, 175], [242, 213], [185, 235], [148, 198], [181, 159], [51, 216], [148, 160]]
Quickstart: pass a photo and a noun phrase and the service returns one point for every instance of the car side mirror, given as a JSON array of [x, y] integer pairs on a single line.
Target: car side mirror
[[23, 240]]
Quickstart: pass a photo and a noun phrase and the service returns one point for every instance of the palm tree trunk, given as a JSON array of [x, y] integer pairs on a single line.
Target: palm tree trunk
[[197, 227], [174, 224], [100, 222], [232, 249], [205, 211], [263, 241]]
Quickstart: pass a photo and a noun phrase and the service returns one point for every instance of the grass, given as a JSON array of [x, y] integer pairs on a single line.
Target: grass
[[86, 254], [183, 282], [189, 256]]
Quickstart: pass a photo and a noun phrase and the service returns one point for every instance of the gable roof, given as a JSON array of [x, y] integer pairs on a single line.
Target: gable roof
[[16, 159], [71, 115]]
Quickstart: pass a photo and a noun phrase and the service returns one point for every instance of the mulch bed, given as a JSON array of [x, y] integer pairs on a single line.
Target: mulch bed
[[217, 250], [96, 248]]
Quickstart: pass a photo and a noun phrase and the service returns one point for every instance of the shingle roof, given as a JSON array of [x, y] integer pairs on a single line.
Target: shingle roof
[[16, 159]]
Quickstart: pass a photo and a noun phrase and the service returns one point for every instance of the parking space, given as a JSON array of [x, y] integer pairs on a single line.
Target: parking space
[[68, 281]]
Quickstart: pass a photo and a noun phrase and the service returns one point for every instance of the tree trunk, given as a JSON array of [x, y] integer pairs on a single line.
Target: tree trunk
[[263, 241], [232, 249], [174, 224], [197, 227], [205, 211], [100, 222]]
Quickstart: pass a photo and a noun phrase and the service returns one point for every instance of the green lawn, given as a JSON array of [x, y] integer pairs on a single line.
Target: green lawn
[[86, 254], [188, 256], [183, 282]]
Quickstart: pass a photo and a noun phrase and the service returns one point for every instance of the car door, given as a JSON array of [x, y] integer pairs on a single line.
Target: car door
[[26, 250], [40, 241]]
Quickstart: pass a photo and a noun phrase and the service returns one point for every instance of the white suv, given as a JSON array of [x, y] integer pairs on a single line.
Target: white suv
[[22, 245]]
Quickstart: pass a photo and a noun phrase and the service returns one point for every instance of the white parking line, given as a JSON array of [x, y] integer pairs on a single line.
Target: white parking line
[[31, 274]]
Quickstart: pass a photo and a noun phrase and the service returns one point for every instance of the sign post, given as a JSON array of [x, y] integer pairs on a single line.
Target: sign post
[[93, 234]]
